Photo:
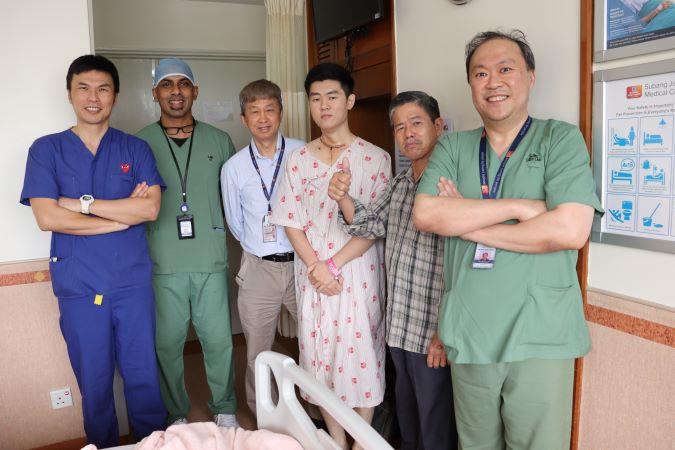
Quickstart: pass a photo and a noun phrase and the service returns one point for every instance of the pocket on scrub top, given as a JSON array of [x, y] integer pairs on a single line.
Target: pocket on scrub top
[[121, 186], [64, 281], [548, 315], [67, 185]]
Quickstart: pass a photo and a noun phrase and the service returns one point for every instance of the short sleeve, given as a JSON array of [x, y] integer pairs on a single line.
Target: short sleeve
[[380, 179], [441, 164], [287, 201], [226, 145], [40, 178], [568, 177], [146, 165]]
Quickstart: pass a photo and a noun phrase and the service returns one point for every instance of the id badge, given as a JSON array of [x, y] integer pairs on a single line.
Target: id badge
[[484, 258], [269, 230], [186, 226]]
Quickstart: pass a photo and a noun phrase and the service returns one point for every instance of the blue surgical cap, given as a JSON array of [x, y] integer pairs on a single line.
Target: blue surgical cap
[[170, 67]]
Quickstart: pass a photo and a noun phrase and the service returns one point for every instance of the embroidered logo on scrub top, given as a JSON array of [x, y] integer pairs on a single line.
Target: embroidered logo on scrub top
[[125, 167], [210, 157], [533, 160]]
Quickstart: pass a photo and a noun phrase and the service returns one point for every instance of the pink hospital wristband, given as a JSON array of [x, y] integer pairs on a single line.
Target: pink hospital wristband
[[333, 268]]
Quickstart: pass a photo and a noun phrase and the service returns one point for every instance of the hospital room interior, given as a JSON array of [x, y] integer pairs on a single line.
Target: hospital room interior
[[624, 388]]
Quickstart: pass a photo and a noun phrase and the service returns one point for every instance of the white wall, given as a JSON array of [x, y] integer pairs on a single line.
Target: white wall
[[38, 41], [179, 25], [430, 40]]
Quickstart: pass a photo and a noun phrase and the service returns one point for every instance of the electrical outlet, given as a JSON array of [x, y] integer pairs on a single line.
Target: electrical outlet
[[61, 398]]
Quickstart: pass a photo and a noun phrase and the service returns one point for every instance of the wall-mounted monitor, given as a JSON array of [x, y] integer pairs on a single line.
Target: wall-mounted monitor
[[333, 18]]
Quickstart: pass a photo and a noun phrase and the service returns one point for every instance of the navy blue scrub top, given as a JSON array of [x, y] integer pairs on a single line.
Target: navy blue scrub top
[[60, 165]]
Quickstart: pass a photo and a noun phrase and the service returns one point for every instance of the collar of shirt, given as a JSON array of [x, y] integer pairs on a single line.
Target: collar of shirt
[[405, 175], [257, 154]]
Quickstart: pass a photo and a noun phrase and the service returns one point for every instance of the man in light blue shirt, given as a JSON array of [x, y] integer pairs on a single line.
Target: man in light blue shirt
[[249, 179]]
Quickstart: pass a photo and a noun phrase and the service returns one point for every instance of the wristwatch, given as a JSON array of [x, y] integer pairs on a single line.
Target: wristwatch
[[85, 202]]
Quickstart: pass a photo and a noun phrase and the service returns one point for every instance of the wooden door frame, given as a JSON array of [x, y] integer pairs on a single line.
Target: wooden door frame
[[586, 126]]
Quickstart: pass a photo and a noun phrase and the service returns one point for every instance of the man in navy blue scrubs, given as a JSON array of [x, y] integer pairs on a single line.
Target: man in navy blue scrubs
[[93, 187]]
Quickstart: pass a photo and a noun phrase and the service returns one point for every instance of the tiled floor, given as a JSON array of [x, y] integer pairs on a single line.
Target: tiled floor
[[198, 390]]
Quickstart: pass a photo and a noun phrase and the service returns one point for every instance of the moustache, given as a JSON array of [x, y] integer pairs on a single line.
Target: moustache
[[412, 142]]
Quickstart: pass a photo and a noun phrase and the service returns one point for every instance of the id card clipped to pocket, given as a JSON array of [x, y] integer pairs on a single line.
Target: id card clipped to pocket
[[269, 230], [484, 257], [186, 226]]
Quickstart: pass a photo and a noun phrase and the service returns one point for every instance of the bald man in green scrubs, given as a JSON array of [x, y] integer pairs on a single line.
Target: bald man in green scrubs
[[187, 245], [517, 200]]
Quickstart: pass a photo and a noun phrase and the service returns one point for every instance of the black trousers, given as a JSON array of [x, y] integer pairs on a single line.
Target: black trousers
[[424, 406]]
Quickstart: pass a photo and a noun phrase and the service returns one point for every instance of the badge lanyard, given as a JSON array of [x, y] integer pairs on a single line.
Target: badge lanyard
[[184, 222], [484, 257], [269, 231], [183, 179], [482, 161], [268, 195]]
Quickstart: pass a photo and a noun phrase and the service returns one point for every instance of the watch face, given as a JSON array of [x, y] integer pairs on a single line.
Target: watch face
[[86, 198]]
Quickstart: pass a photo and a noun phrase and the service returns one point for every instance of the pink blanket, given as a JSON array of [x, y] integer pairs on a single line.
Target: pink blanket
[[208, 436]]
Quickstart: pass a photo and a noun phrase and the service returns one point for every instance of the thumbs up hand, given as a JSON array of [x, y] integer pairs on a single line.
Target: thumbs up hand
[[340, 182], [344, 166]]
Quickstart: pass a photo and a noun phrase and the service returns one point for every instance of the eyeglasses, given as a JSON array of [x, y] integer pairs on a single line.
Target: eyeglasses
[[172, 131]]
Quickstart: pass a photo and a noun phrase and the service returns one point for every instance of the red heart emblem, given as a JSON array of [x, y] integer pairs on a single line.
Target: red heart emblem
[[125, 167]]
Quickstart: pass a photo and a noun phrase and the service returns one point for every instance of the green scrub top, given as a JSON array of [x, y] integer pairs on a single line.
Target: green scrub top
[[207, 251], [527, 305]]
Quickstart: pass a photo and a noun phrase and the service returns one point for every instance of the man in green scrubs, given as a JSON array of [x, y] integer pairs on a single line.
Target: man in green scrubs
[[187, 245], [516, 200]]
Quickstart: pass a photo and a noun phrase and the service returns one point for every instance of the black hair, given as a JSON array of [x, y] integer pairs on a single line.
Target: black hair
[[515, 36], [259, 90], [87, 63], [330, 71], [421, 99]]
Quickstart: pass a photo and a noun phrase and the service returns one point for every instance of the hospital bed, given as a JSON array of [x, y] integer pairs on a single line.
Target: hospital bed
[[289, 417]]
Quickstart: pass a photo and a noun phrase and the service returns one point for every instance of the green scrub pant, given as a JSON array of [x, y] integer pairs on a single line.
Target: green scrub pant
[[519, 405], [202, 296]]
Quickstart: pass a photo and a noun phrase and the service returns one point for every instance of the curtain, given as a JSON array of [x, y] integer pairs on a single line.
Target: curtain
[[286, 60]]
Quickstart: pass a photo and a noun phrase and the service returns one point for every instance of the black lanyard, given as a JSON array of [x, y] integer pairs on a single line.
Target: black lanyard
[[482, 161], [183, 180], [268, 195]]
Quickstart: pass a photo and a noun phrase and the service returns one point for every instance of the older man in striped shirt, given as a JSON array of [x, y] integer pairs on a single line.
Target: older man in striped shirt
[[414, 263]]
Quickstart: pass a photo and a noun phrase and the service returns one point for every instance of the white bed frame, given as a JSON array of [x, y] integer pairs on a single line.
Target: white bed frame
[[289, 417]]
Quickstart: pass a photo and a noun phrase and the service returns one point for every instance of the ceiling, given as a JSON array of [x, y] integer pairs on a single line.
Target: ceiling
[[245, 2]]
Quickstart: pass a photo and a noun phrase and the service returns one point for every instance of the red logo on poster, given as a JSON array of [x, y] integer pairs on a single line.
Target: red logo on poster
[[634, 91], [125, 167]]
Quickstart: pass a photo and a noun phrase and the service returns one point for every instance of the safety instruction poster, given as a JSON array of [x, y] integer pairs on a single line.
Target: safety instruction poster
[[639, 157], [635, 21]]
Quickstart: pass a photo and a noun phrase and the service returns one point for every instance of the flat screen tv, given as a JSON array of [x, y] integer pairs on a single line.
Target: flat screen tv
[[333, 18]]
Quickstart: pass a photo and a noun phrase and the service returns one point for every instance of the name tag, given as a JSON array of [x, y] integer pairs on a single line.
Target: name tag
[[186, 226], [269, 230], [484, 258]]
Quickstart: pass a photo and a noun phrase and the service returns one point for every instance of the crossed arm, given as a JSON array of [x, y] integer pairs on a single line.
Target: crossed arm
[[63, 215], [565, 227]]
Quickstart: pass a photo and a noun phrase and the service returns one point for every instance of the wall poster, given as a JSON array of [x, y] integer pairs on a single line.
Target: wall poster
[[634, 155], [633, 27]]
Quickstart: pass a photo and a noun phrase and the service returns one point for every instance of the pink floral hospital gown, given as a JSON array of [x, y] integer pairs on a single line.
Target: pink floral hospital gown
[[341, 337]]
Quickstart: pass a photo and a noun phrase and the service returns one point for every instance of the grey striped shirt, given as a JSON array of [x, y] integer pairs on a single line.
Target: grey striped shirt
[[414, 263]]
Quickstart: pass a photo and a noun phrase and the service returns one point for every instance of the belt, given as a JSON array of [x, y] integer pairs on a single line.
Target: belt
[[279, 257]]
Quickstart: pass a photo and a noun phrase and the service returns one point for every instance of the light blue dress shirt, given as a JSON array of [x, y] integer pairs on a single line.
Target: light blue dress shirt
[[244, 201]]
